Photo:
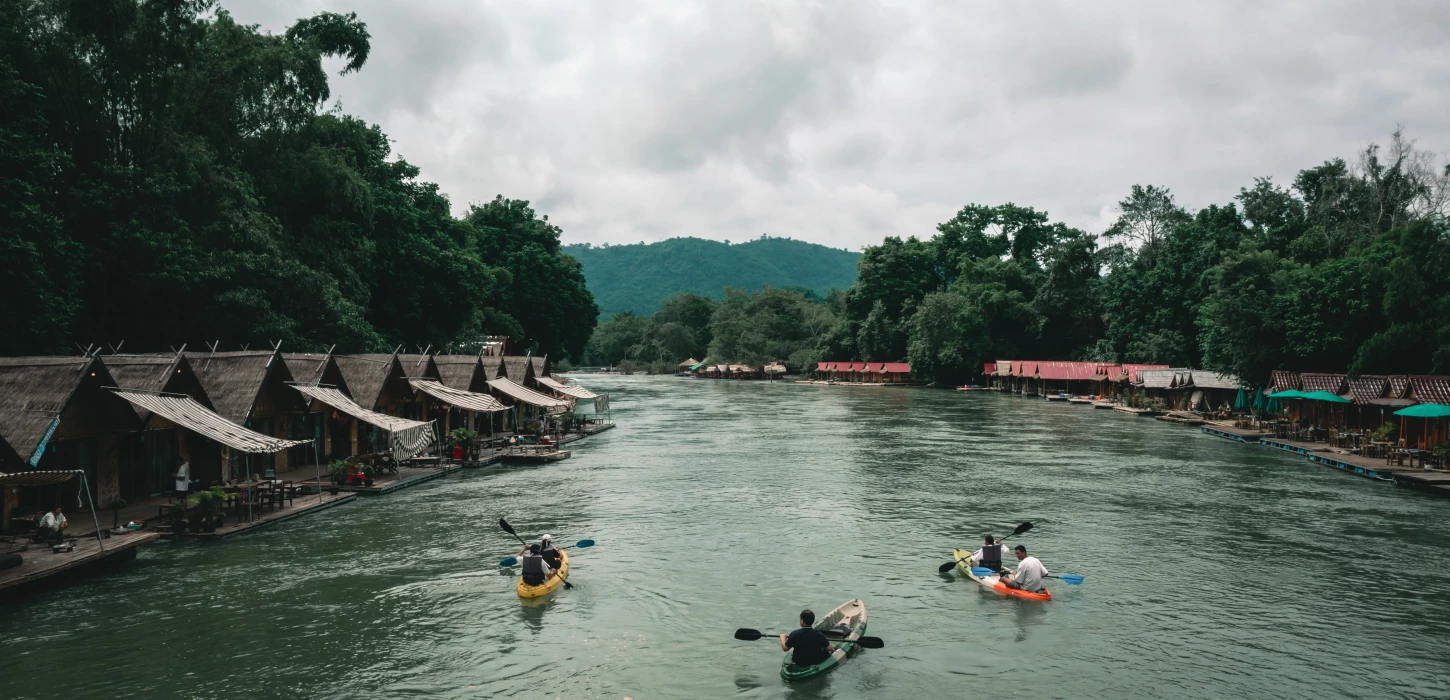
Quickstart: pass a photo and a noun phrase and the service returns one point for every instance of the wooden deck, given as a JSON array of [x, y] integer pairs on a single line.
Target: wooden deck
[[39, 564], [304, 505], [1231, 433], [1140, 412], [532, 454]]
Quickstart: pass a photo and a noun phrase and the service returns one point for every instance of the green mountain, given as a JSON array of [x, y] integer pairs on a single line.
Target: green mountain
[[636, 277]]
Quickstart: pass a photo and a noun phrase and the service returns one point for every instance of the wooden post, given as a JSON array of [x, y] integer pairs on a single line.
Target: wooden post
[[326, 434], [281, 461], [353, 423]]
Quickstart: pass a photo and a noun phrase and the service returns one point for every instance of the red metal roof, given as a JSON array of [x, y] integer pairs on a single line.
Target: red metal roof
[[896, 368], [822, 366], [1283, 380], [1068, 371], [989, 368]]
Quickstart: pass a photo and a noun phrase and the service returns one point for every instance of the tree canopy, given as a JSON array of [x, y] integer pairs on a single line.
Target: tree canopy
[[171, 176]]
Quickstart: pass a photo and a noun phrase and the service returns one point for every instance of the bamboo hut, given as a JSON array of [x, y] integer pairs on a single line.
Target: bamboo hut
[[149, 456], [313, 369], [249, 388], [55, 415]]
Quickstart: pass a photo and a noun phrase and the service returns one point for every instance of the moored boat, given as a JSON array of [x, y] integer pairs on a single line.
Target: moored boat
[[842, 626]]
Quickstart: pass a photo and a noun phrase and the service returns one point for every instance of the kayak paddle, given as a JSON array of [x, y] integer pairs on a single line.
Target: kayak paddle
[[1071, 579], [581, 544], [750, 635], [1024, 527], [510, 530]]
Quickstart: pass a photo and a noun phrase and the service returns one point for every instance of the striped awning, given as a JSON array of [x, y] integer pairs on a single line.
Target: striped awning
[[521, 393], [466, 400], [573, 390], [39, 478], [338, 400], [187, 413]]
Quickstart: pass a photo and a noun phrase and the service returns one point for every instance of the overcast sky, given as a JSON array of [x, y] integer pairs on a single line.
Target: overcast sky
[[841, 123]]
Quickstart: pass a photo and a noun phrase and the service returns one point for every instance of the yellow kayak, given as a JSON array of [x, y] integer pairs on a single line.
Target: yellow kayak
[[554, 581]]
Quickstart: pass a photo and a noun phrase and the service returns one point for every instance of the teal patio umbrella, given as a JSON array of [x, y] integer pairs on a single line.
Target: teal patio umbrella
[[1425, 410], [1259, 403], [1323, 396], [1240, 403]]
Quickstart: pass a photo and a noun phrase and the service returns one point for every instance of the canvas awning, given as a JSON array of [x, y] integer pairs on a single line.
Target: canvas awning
[[338, 400], [573, 390], [526, 395], [38, 478], [187, 413], [466, 400]]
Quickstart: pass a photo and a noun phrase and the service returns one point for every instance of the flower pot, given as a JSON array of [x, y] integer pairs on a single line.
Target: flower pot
[[333, 490], [367, 481]]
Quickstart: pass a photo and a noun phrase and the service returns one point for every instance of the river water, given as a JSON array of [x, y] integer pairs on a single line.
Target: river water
[[1214, 569]]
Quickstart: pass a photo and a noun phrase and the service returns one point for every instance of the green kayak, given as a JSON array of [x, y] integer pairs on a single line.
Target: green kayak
[[842, 625]]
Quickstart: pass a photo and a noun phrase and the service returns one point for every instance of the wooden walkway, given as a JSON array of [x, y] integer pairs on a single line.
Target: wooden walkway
[[236, 525], [1368, 467], [39, 564]]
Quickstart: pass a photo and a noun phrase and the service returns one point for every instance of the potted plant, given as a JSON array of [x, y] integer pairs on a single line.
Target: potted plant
[[178, 516], [367, 472], [209, 505], [338, 470], [463, 438]]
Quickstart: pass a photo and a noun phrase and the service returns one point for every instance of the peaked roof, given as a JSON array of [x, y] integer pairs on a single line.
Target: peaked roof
[[541, 366], [1430, 388], [1399, 386], [1368, 386], [517, 368], [492, 367], [457, 371], [306, 367], [233, 380], [1204, 379], [157, 373], [35, 391], [1283, 380], [365, 375], [1159, 378]]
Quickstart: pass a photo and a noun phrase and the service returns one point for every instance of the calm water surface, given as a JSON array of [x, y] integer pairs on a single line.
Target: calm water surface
[[1213, 569]]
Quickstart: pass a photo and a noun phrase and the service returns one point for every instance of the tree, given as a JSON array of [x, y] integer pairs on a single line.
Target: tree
[[1145, 219]]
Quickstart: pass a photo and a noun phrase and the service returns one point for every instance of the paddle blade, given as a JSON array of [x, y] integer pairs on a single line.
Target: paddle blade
[[584, 543], [1072, 579], [946, 567], [1024, 527], [506, 527], [982, 572], [508, 562], [748, 635], [871, 642]]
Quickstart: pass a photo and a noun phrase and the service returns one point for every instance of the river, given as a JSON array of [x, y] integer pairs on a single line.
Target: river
[[1213, 569]]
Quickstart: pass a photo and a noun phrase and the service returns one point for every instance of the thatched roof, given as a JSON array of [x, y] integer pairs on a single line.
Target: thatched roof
[[306, 367], [541, 366], [35, 390], [365, 375], [458, 371], [492, 367], [418, 366], [164, 373], [1161, 378], [234, 380], [517, 368], [1204, 379]]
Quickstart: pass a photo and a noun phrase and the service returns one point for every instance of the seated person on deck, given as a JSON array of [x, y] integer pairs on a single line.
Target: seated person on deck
[[811, 647], [51, 527]]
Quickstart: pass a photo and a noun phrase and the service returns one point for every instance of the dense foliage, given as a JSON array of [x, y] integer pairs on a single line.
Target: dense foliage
[[636, 278], [772, 325], [1344, 269], [169, 176]]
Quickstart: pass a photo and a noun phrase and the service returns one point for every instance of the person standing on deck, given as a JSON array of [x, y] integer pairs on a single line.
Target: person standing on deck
[[536, 570], [990, 555], [183, 478], [1029, 574], [811, 647]]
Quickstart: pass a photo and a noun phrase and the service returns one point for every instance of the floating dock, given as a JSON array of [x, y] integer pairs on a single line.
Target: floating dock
[[303, 505], [40, 564]]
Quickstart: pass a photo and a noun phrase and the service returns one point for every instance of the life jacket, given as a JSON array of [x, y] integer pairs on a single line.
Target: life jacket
[[992, 556], [551, 556], [533, 569]]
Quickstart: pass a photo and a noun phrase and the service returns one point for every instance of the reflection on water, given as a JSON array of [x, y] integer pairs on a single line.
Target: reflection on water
[[1214, 569]]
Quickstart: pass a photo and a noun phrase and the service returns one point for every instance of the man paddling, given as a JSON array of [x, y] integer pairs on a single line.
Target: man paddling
[[548, 552], [536, 570], [811, 647], [1029, 574], [990, 556]]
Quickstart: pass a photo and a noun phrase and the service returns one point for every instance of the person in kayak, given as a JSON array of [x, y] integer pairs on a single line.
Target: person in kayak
[[1029, 573], [547, 551], [811, 647], [536, 570], [990, 556]]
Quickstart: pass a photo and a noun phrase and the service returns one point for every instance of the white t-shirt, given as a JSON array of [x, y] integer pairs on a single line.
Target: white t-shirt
[[1030, 573], [52, 521], [183, 476]]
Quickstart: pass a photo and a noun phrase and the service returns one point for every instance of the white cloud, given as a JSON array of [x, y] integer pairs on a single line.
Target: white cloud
[[844, 122]]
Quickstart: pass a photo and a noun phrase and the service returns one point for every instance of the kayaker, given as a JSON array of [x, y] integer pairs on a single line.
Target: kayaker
[[1029, 574], [811, 647], [990, 556], [536, 570], [547, 551]]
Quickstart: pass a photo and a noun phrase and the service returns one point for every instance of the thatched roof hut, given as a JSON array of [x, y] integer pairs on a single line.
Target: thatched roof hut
[[171, 374], [52, 398], [366, 375], [540, 366], [492, 367], [461, 372], [247, 384], [518, 368]]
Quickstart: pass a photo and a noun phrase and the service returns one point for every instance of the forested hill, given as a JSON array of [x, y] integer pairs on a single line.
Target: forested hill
[[636, 277]]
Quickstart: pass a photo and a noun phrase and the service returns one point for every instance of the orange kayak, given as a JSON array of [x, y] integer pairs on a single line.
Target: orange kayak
[[993, 581]]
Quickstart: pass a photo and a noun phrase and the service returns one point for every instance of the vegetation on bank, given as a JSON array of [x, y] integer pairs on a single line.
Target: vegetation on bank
[[170, 176], [636, 278], [1343, 269]]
